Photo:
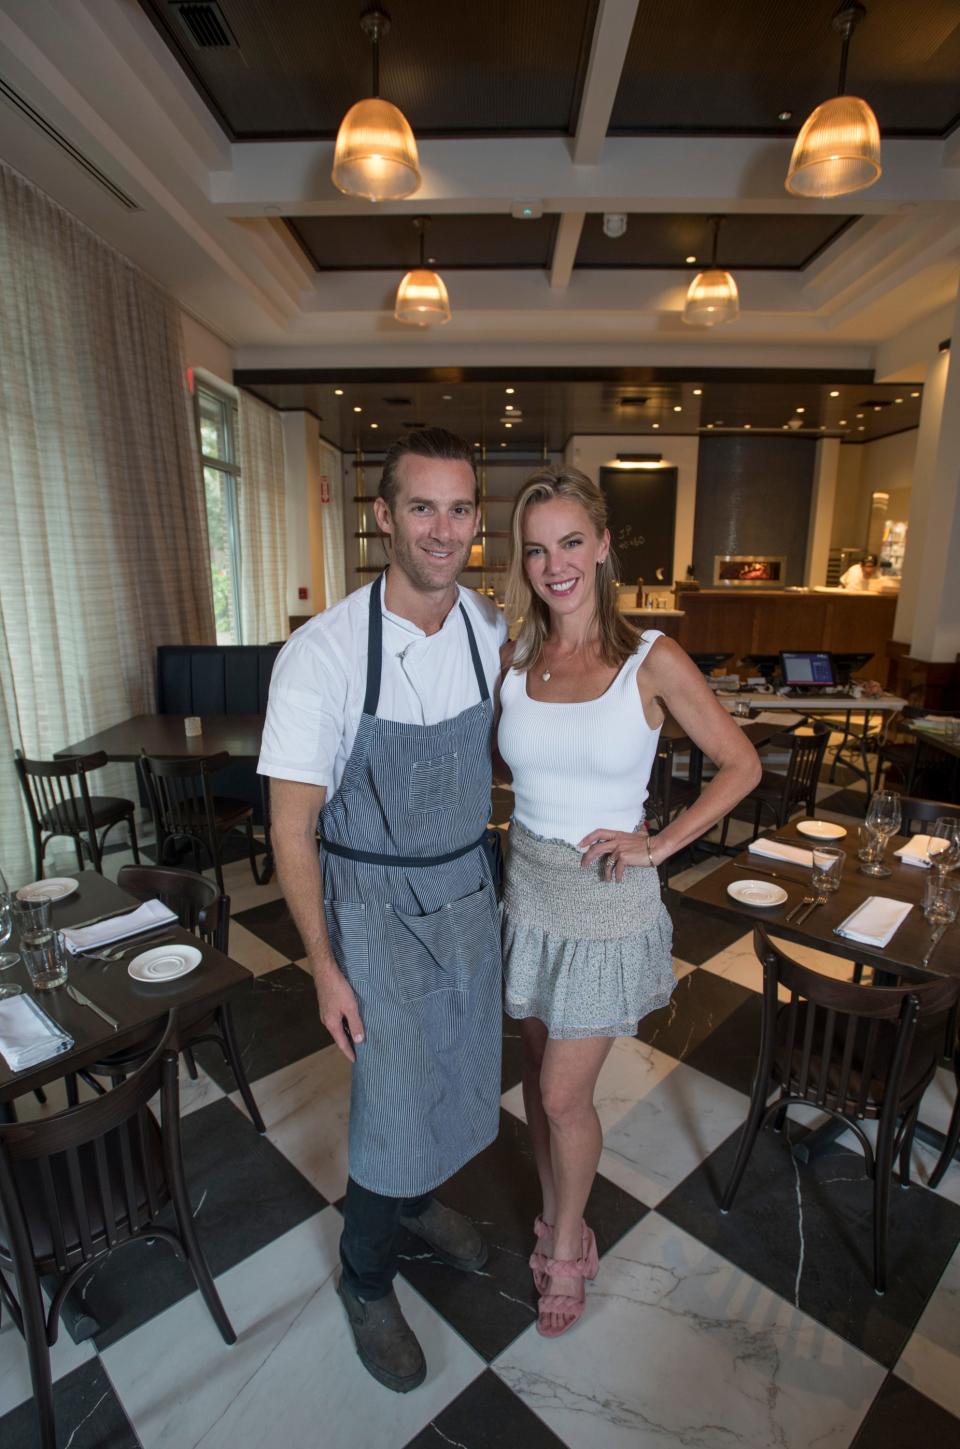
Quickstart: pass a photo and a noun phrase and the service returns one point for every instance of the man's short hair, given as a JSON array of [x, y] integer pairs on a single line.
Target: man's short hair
[[424, 443]]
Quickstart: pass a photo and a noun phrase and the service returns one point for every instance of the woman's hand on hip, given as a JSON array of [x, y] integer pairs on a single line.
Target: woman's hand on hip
[[618, 849]]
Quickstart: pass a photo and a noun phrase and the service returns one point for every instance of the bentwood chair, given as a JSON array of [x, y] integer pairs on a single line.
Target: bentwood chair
[[203, 911], [783, 794], [59, 803], [186, 812], [75, 1188], [854, 1052]]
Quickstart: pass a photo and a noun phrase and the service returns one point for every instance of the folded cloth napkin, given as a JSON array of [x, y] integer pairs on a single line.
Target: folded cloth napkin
[[777, 851], [118, 928], [28, 1035], [875, 920], [917, 848], [785, 718]]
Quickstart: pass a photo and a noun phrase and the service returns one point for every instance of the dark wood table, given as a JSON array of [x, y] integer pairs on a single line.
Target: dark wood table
[[901, 958], [164, 734]]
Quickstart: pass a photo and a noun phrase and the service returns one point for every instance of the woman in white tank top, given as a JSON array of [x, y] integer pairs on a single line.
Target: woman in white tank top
[[586, 937]]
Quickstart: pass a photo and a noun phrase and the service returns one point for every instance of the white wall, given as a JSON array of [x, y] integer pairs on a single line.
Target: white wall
[[591, 452], [888, 466], [203, 349]]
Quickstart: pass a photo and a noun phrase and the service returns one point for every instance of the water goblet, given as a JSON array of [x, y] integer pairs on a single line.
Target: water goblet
[[943, 845], [883, 817]]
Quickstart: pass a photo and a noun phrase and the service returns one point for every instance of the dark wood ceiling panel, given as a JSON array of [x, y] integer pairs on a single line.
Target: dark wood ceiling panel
[[454, 68], [780, 241], [391, 243], [697, 66], [548, 409]]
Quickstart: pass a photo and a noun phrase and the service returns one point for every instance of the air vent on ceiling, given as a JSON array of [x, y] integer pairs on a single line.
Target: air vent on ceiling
[[631, 402], [206, 25], [875, 402], [398, 402], [21, 104]]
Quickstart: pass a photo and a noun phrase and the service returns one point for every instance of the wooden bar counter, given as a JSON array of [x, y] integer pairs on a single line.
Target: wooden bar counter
[[764, 621]]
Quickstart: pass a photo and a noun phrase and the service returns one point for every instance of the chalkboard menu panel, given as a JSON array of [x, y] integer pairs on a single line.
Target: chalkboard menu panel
[[642, 512]]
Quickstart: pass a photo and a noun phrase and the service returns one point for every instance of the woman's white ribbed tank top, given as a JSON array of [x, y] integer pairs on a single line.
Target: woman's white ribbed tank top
[[577, 767]]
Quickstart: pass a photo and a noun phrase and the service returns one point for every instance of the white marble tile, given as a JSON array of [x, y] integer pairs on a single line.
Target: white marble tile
[[738, 962], [306, 1106], [684, 879], [931, 1359], [15, 1385], [655, 1133], [293, 1377], [252, 952], [678, 1349]]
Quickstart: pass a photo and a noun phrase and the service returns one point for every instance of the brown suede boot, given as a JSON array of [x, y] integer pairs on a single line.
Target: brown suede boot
[[451, 1236], [385, 1342]]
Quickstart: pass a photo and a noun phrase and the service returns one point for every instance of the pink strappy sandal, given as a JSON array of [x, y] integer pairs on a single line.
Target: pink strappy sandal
[[571, 1308], [538, 1261]]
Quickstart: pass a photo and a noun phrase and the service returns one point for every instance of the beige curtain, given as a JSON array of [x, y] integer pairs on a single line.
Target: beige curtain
[[103, 542], [262, 524], [334, 562]]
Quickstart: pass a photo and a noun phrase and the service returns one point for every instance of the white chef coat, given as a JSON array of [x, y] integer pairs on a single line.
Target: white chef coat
[[319, 680], [855, 578]]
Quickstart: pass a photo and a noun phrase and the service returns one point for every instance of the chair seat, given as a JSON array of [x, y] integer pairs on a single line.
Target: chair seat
[[68, 818], [34, 1200]]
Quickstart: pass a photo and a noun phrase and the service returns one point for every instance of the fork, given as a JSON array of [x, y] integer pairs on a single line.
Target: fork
[[808, 901], [113, 953], [818, 901]]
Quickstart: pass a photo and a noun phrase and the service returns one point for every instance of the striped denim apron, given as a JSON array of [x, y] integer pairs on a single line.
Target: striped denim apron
[[414, 926]]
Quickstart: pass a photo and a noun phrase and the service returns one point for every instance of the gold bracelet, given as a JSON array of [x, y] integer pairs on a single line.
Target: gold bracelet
[[650, 852]]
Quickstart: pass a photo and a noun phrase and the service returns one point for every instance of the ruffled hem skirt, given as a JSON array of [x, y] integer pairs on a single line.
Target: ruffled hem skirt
[[586, 956]]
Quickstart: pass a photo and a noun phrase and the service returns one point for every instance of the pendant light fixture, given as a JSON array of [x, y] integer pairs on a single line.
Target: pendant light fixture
[[376, 152], [712, 296], [838, 148], [422, 297]]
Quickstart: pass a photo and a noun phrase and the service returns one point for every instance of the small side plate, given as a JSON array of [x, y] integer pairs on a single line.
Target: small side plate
[[821, 829], [756, 893], [53, 889], [164, 963]]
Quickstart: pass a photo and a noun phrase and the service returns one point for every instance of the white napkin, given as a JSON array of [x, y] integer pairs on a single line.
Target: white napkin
[[875, 920], [118, 928], [27, 1034], [916, 849], [785, 718], [794, 853]]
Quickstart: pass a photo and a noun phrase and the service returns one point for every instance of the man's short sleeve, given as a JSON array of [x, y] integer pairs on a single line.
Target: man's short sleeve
[[306, 711]]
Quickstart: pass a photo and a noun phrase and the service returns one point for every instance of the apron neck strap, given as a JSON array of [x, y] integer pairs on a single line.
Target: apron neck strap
[[375, 651]]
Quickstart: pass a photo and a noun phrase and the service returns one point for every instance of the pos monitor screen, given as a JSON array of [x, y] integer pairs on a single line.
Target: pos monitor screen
[[806, 669]]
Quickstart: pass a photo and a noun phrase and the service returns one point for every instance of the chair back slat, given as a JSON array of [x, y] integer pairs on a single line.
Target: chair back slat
[[78, 1199], [51, 1202], [803, 1070], [199, 906], [133, 1207], [826, 1052], [147, 1164], [806, 761], [846, 1061], [108, 1214]]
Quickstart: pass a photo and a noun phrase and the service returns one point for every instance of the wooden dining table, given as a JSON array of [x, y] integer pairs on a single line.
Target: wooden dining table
[[902, 958], [165, 735]]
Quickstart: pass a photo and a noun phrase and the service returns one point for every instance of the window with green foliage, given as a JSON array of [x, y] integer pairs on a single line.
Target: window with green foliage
[[217, 427]]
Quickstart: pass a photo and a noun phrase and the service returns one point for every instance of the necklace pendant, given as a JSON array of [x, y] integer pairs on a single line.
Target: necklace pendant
[[545, 675]]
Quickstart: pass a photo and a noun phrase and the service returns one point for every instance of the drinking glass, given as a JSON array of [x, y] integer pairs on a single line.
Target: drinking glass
[[941, 900], [7, 958], [867, 842], [883, 816], [46, 961], [31, 919], [945, 831], [828, 863]]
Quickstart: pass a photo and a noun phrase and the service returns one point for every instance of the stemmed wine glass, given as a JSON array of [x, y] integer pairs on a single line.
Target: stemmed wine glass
[[7, 958], [883, 818], [945, 855]]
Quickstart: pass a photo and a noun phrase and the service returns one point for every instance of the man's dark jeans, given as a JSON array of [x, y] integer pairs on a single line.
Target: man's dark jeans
[[368, 1247]]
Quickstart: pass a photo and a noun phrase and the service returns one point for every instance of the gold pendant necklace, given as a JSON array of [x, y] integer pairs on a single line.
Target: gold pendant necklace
[[545, 675]]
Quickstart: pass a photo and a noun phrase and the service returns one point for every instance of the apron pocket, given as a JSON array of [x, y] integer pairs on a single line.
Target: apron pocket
[[347, 929], [444, 950], [434, 784]]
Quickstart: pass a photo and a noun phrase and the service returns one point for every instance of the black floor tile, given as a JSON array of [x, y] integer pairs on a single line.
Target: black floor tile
[[277, 1021], [701, 1001], [813, 1222], [696, 935], [902, 1418], [87, 1411], [273, 923], [499, 1192], [244, 1195], [487, 1415], [729, 1053]]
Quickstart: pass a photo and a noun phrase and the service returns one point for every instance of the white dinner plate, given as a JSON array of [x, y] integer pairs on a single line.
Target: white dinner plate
[[164, 963], [756, 893], [53, 889], [821, 829]]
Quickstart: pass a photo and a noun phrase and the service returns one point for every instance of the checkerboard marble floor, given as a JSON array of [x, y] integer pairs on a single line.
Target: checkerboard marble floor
[[756, 1329]]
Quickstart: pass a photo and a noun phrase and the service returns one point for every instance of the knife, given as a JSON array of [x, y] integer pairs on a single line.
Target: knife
[[77, 995], [774, 874], [934, 938]]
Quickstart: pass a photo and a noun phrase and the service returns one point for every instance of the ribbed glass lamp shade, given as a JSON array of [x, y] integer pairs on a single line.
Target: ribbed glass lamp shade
[[422, 299], [712, 297], [376, 153], [837, 150]]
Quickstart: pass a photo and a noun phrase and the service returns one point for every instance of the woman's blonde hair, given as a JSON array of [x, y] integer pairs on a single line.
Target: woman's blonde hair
[[617, 637]]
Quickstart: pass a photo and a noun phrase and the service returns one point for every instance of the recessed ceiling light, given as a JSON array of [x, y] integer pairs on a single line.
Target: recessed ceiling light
[[508, 425], [445, 397], [898, 399], [709, 425], [656, 425], [748, 426], [338, 392], [877, 410], [374, 425], [476, 445], [801, 410], [914, 394], [785, 427], [690, 261], [698, 392], [503, 445], [358, 409], [510, 408], [677, 408], [509, 391], [823, 427], [843, 422], [859, 415], [784, 115], [860, 428]]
